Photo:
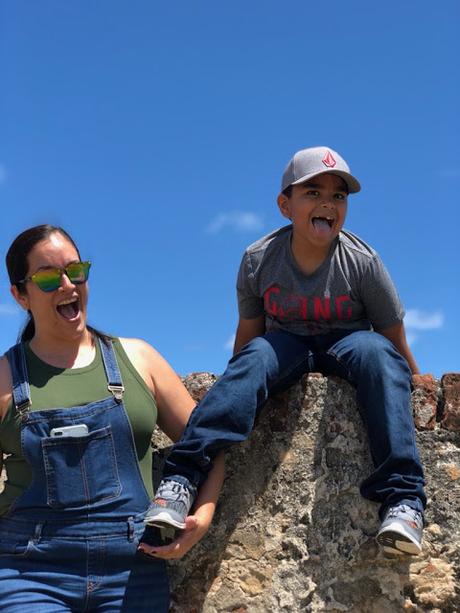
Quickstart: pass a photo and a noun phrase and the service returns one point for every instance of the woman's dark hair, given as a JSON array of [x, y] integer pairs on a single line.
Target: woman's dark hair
[[17, 265]]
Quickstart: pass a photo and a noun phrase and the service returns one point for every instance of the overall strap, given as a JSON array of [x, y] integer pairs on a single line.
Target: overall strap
[[21, 390], [112, 371]]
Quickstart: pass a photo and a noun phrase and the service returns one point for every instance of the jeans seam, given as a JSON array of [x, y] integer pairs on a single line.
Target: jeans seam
[[292, 368], [342, 364]]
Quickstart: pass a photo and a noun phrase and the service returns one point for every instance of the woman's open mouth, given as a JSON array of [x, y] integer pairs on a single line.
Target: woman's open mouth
[[69, 309]]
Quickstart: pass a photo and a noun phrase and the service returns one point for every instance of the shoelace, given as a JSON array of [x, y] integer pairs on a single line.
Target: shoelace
[[416, 516], [181, 492]]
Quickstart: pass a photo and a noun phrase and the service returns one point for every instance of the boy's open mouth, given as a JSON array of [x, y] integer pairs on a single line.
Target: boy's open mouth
[[322, 224], [69, 309]]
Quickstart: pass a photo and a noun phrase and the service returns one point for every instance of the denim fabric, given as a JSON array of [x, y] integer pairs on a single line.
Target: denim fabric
[[78, 567], [272, 362], [69, 542]]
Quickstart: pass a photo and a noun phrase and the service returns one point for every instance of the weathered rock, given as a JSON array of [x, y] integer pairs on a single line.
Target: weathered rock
[[425, 401], [292, 533], [450, 383]]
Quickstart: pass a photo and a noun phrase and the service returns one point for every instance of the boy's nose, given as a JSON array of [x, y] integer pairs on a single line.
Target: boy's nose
[[328, 202]]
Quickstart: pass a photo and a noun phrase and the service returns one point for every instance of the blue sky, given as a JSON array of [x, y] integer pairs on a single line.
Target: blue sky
[[156, 134]]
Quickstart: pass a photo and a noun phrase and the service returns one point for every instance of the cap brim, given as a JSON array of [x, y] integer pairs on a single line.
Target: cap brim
[[352, 183]]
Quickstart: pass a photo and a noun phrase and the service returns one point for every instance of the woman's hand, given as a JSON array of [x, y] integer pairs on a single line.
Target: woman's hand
[[194, 530], [196, 525]]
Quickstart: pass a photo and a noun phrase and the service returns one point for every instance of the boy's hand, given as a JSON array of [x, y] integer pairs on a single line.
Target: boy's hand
[[192, 533]]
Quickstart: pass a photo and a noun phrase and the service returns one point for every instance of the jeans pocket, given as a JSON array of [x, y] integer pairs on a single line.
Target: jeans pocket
[[81, 470]]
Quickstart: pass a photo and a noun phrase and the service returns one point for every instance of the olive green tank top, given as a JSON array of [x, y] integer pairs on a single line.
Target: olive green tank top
[[52, 387]]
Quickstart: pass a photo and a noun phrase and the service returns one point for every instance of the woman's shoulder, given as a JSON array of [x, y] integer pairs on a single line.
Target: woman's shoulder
[[137, 349], [144, 358], [152, 366]]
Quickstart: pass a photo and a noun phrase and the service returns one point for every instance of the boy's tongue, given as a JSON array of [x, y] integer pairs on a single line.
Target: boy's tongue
[[321, 226]]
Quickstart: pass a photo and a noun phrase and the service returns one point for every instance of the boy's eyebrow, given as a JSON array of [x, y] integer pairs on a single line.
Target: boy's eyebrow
[[318, 185]]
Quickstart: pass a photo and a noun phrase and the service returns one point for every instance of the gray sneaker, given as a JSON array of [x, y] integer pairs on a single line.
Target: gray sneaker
[[171, 504], [401, 530]]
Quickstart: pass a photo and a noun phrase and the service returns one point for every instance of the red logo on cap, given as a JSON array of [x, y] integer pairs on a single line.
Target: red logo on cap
[[328, 160]]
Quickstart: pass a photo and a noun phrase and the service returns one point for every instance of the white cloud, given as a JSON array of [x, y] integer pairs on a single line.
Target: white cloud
[[228, 345], [9, 309], [419, 320], [416, 321], [3, 174], [240, 221], [411, 337]]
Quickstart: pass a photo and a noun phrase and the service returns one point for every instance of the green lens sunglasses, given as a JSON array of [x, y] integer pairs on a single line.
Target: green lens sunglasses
[[49, 279]]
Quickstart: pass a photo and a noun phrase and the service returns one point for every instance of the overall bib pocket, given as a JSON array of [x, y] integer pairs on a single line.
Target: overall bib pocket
[[81, 470]]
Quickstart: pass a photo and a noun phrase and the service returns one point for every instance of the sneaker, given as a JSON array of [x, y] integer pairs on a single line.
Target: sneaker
[[171, 504], [401, 530]]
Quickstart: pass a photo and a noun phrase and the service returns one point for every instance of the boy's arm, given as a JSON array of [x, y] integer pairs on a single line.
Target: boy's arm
[[397, 335], [247, 330]]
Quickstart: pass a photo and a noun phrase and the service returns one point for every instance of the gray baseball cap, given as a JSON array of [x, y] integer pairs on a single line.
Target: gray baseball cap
[[313, 161]]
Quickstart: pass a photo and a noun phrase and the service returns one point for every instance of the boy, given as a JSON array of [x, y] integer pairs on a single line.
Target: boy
[[312, 297]]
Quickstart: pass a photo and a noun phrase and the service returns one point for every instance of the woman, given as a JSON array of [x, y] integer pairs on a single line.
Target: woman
[[78, 409]]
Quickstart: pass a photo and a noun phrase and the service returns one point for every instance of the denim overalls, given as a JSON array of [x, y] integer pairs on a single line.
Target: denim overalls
[[69, 541]]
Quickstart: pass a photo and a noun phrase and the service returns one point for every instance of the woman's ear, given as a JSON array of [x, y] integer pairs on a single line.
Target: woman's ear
[[284, 205], [21, 299]]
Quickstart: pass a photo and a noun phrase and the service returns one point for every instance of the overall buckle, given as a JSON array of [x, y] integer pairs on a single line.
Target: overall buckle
[[23, 408], [117, 391]]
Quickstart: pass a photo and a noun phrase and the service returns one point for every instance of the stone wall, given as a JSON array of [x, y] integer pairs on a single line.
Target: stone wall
[[291, 532]]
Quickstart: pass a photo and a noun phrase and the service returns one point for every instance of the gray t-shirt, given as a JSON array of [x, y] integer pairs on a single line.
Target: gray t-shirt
[[350, 290]]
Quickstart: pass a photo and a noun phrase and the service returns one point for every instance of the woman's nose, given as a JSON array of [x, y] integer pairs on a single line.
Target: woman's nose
[[65, 281]]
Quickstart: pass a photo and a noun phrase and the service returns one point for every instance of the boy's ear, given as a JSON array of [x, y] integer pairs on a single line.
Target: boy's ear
[[284, 205], [21, 299]]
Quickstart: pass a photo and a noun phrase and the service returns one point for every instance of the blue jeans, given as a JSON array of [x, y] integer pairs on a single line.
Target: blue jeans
[[78, 568], [269, 363]]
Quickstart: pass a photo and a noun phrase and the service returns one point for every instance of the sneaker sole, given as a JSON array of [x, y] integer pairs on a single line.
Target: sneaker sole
[[393, 541], [162, 520]]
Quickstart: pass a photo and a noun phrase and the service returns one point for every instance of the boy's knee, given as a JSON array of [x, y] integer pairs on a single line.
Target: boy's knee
[[257, 355], [371, 350], [373, 344]]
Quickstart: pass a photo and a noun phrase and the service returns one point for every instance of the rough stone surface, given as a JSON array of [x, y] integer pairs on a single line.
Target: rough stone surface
[[292, 533], [451, 401], [425, 401]]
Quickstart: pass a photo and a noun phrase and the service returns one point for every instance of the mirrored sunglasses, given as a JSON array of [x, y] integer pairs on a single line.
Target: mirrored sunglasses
[[49, 279]]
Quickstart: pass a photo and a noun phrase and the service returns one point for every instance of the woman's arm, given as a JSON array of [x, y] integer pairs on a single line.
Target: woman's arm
[[6, 386], [5, 394], [173, 401], [174, 407]]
